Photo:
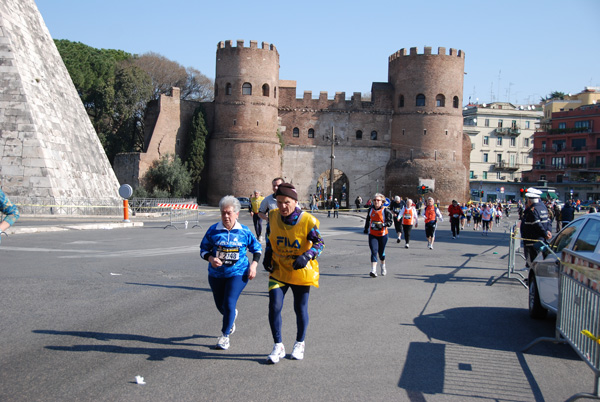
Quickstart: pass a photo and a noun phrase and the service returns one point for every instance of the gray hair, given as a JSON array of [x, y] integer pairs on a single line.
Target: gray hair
[[408, 200], [379, 195], [230, 201]]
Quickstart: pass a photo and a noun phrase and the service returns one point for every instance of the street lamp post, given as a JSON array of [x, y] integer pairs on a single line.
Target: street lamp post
[[334, 141]]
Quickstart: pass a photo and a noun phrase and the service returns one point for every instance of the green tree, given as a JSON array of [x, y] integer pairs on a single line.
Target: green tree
[[196, 146], [554, 95], [169, 177]]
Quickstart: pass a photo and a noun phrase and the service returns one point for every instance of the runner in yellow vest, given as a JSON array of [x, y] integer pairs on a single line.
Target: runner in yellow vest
[[293, 243], [254, 208]]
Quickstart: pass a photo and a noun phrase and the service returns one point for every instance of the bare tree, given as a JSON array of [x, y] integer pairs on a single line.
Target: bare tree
[[166, 73]]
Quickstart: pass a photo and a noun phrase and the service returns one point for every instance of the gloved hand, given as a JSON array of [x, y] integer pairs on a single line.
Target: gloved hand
[[268, 260], [301, 261]]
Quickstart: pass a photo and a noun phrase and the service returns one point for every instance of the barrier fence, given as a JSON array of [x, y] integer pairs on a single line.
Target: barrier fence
[[513, 247], [183, 214], [578, 316]]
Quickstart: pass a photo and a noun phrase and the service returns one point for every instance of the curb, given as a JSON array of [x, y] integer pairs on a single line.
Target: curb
[[62, 228]]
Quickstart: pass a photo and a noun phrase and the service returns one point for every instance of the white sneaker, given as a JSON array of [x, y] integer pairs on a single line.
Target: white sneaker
[[233, 326], [261, 239], [373, 273], [223, 342], [406, 245], [277, 353], [298, 351], [383, 270], [431, 246]]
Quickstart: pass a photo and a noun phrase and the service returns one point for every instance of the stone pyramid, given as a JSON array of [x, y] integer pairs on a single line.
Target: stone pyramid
[[49, 150]]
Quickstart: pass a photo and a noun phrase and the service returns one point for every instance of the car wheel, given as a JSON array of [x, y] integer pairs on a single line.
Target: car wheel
[[536, 310]]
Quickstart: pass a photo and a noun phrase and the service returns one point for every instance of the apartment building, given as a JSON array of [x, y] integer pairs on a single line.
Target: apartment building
[[501, 146]]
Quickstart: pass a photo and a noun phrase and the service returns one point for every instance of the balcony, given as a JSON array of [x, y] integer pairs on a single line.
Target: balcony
[[514, 131], [503, 165]]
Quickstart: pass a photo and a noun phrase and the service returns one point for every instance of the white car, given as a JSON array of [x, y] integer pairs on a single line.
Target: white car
[[582, 236]]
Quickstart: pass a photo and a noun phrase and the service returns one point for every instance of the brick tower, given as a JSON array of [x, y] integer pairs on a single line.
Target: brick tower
[[427, 124], [244, 149]]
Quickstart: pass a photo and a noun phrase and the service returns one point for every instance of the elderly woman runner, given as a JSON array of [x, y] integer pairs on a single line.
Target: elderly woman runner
[[292, 245], [377, 221], [224, 246]]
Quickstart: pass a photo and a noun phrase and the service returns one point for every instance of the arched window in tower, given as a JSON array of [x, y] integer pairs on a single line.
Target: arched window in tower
[[296, 132], [228, 89], [265, 90], [440, 100], [401, 101], [216, 90], [359, 135], [455, 102], [374, 135], [311, 133], [420, 100], [247, 88]]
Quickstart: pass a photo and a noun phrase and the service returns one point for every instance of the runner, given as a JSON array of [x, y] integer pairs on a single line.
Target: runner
[[224, 246], [432, 213], [455, 212], [408, 217], [293, 244], [396, 206], [469, 214], [255, 202], [378, 220], [476, 217], [486, 218]]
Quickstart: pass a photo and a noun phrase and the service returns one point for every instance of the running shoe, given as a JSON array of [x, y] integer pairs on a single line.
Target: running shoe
[[233, 326], [398, 241], [383, 270], [373, 274], [223, 342], [277, 353], [406, 245], [298, 351], [454, 237], [431, 246]]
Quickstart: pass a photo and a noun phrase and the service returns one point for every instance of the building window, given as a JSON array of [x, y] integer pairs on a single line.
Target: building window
[[498, 175], [373, 135], [558, 162], [543, 146], [420, 100], [584, 124], [487, 122], [265, 89], [525, 142], [578, 144], [513, 142], [527, 124], [401, 101], [311, 133], [296, 132], [513, 125], [486, 140], [455, 102], [562, 125], [440, 100], [359, 135], [499, 141], [275, 92], [559, 145], [485, 175], [228, 89], [485, 157], [499, 158], [499, 123], [471, 174], [247, 88], [424, 131], [578, 160]]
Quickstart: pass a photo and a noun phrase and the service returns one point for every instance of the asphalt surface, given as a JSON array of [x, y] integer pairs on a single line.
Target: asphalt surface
[[86, 311]]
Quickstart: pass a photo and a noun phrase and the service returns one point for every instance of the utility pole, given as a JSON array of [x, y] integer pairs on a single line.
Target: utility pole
[[334, 142]]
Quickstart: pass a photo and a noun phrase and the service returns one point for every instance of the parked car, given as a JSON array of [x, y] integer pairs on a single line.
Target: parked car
[[244, 202], [582, 237]]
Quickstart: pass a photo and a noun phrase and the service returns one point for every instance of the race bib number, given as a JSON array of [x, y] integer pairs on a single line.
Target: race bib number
[[455, 215], [377, 225], [229, 255], [407, 216]]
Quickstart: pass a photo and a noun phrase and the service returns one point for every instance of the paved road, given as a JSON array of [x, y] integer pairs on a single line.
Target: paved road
[[84, 312]]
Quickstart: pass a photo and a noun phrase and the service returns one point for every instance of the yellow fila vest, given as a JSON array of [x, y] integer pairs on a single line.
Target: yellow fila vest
[[255, 202], [287, 243]]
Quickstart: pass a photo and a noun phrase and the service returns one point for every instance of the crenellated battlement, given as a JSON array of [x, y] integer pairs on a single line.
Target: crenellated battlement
[[240, 44], [289, 101], [413, 52]]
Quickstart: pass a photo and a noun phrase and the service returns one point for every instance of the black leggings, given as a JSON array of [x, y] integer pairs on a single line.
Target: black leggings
[[406, 229], [455, 226], [377, 246]]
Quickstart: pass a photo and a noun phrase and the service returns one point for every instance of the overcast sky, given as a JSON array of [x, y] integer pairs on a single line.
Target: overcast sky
[[516, 51]]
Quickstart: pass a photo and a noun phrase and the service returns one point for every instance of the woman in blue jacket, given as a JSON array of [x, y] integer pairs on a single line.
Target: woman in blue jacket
[[224, 246]]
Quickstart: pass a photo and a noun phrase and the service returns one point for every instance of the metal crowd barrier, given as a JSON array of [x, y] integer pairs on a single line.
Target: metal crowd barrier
[[183, 214], [578, 316], [513, 245]]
